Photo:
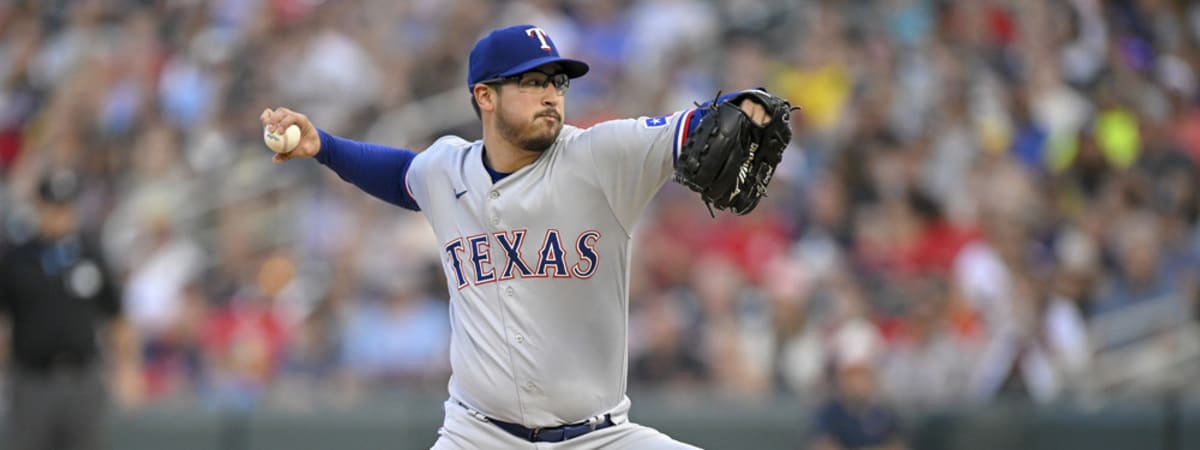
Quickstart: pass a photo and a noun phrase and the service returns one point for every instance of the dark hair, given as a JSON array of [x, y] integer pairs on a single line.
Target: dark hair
[[59, 186]]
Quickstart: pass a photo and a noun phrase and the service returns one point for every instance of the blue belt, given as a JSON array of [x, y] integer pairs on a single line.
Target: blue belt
[[556, 434]]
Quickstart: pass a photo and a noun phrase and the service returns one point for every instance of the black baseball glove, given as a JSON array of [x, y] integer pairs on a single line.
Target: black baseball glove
[[728, 158]]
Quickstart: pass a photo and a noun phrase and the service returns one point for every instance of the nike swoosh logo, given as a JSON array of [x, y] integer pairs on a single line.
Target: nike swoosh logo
[[459, 194]]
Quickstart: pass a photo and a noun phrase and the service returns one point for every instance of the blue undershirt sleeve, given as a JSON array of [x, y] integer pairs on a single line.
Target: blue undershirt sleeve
[[376, 169]]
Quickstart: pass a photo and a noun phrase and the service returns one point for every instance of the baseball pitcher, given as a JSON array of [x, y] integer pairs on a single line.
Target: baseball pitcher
[[534, 222]]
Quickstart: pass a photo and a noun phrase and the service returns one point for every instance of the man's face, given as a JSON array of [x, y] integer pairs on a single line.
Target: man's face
[[56, 219], [529, 111], [857, 383]]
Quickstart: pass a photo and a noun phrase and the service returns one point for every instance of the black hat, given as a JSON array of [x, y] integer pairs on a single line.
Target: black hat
[[59, 186]]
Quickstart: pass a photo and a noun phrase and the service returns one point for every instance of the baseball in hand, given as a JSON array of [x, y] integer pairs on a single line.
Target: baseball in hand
[[282, 143]]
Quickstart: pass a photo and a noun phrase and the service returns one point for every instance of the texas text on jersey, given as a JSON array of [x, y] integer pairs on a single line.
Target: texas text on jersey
[[551, 260]]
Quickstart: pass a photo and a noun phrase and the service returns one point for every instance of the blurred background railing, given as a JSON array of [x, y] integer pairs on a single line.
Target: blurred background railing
[[402, 421], [990, 209]]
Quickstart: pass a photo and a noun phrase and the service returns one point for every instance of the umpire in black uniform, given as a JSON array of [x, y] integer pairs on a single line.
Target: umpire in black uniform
[[58, 296]]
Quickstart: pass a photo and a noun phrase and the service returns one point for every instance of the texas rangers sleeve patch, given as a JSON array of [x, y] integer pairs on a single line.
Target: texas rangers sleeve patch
[[655, 122]]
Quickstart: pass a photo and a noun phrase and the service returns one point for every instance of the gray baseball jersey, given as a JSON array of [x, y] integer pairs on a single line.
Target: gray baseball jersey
[[538, 265]]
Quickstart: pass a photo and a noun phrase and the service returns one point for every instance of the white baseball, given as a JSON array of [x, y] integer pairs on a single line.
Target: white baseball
[[282, 143]]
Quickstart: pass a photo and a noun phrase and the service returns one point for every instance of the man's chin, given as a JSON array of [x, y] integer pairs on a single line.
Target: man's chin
[[543, 141]]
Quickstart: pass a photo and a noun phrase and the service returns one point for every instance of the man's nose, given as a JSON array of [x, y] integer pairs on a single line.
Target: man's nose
[[552, 98]]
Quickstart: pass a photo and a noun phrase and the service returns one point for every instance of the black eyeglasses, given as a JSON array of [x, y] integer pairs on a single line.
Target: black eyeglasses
[[533, 82]]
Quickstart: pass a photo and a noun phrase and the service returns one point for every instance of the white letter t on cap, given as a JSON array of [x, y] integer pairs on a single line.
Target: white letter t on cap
[[541, 35]]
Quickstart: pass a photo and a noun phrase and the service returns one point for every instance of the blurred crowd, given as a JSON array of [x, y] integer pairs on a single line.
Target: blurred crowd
[[983, 199]]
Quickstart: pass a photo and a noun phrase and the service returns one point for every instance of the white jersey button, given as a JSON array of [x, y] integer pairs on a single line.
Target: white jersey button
[[529, 387], [495, 221], [520, 339], [509, 291], [494, 195]]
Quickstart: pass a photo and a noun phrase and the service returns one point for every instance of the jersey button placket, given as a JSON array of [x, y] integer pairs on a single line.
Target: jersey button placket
[[495, 219]]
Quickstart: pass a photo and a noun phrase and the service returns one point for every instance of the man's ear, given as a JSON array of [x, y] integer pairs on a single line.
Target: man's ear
[[485, 96]]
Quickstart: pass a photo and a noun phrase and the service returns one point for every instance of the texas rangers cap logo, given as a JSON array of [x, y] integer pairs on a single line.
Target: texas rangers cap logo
[[541, 36]]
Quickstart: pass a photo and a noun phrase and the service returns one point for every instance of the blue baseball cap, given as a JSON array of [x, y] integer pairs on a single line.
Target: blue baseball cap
[[515, 50]]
